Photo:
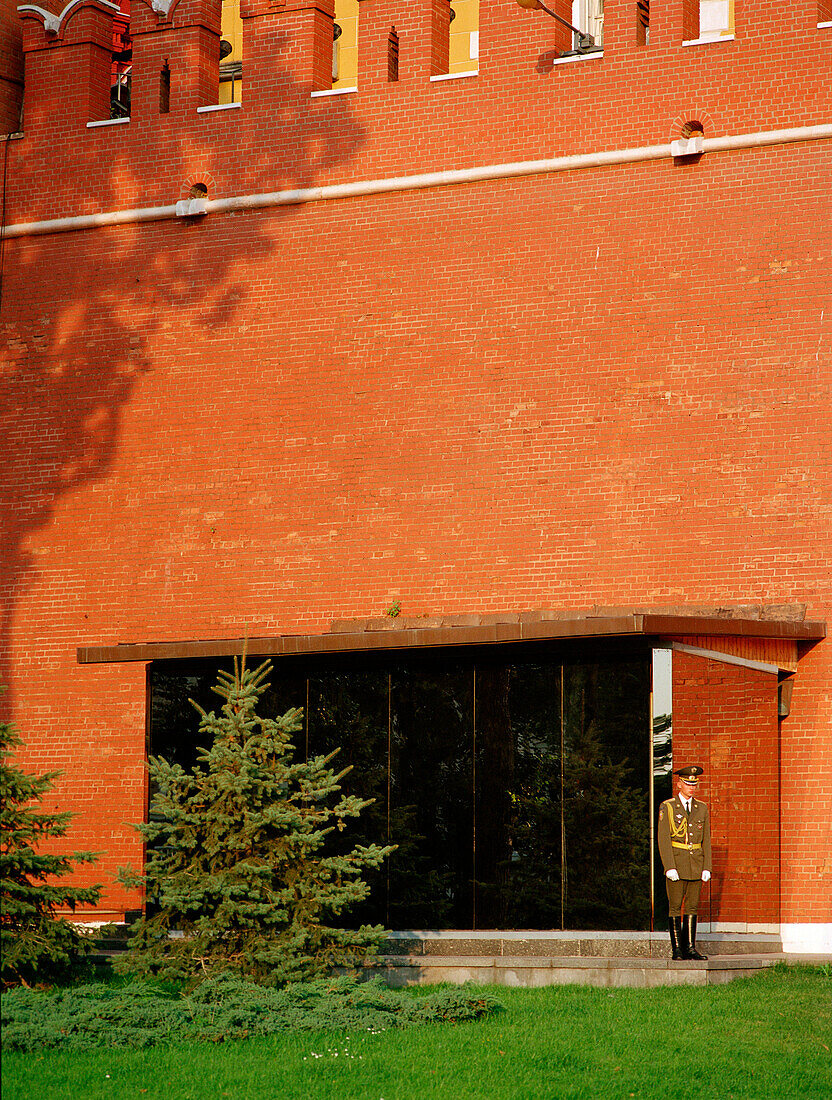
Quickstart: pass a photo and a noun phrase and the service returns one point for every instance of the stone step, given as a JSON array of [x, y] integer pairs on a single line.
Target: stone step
[[580, 944], [534, 971]]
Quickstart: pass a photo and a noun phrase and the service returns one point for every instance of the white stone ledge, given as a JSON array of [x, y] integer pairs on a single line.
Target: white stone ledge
[[806, 938], [708, 41], [825, 26], [108, 122], [333, 91], [217, 107], [578, 57], [733, 929], [455, 76]]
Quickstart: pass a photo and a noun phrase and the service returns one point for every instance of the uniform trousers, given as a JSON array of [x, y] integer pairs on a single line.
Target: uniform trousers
[[686, 891]]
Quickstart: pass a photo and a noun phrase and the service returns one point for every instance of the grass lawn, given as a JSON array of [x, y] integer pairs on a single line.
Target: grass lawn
[[755, 1038]]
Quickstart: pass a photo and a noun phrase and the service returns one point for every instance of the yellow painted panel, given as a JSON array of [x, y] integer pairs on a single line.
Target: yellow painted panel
[[467, 16], [466, 22], [346, 16], [232, 28]]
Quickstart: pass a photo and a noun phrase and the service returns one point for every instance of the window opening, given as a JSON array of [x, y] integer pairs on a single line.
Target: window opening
[[345, 45], [164, 90], [121, 66], [463, 45], [643, 22], [716, 19], [588, 16], [392, 56], [231, 53]]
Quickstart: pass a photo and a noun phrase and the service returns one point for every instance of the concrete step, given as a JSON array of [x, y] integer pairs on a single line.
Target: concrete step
[[572, 944], [543, 970]]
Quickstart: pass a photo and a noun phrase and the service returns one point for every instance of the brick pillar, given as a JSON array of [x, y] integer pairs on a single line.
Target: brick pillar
[[624, 27], [183, 37], [11, 73], [422, 29], [67, 66], [287, 50], [517, 41], [785, 25], [673, 22], [725, 719]]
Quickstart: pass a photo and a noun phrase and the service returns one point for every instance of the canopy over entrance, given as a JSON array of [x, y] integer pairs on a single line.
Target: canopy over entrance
[[355, 635]]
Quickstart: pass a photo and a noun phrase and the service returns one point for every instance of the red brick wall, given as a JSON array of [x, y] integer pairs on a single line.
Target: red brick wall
[[597, 387], [11, 67], [725, 720]]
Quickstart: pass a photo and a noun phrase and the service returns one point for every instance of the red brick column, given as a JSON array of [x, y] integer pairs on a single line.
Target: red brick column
[[186, 39], [67, 67], [673, 22], [422, 29], [286, 44]]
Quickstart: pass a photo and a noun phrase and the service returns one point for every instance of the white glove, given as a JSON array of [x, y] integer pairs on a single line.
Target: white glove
[[672, 874], [706, 876]]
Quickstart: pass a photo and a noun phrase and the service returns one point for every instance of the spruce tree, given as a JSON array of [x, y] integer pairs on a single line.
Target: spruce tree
[[36, 945], [237, 877]]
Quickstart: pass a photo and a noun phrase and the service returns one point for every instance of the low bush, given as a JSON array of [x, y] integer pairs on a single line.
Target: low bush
[[221, 1008]]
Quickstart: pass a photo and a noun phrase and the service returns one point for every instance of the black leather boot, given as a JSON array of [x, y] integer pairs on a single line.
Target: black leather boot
[[676, 937], [689, 937]]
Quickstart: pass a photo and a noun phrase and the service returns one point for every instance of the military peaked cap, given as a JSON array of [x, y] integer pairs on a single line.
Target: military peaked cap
[[690, 774]]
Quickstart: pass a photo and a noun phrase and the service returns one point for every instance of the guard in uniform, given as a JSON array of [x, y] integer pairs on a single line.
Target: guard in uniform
[[685, 850]]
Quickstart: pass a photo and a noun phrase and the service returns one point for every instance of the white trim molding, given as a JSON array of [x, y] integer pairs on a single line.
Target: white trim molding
[[218, 107], [454, 76], [598, 55], [807, 939], [332, 91], [52, 23], [725, 658], [108, 122], [452, 177], [709, 41]]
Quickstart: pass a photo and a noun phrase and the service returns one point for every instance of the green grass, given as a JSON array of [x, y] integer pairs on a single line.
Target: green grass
[[757, 1038]]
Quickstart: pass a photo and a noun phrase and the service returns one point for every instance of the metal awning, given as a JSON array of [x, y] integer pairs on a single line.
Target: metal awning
[[355, 636]]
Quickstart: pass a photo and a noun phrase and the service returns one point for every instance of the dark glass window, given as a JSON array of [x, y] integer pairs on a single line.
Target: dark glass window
[[515, 780]]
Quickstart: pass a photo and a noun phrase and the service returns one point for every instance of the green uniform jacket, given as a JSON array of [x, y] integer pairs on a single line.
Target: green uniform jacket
[[685, 842]]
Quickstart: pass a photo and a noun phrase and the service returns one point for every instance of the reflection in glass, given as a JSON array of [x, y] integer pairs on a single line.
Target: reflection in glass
[[516, 781], [606, 804], [519, 796], [432, 795], [661, 699], [347, 715]]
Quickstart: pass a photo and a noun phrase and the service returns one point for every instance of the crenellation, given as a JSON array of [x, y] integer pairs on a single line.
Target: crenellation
[[67, 62], [176, 57], [400, 43], [287, 51]]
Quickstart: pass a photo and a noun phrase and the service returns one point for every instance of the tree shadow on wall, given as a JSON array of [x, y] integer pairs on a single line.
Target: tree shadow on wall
[[86, 316]]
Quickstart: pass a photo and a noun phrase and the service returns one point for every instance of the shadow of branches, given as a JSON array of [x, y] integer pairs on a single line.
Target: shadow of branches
[[86, 315]]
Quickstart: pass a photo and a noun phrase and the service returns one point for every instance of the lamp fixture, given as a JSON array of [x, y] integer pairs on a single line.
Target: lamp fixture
[[585, 41]]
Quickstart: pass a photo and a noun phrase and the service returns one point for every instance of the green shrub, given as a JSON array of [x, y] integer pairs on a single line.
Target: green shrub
[[35, 945], [240, 859], [221, 1008]]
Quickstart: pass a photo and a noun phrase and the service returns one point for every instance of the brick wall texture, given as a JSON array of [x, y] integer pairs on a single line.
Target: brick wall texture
[[11, 67], [725, 720], [607, 386]]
